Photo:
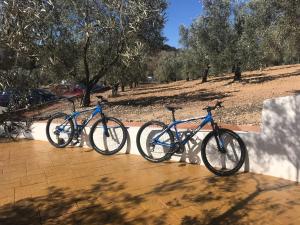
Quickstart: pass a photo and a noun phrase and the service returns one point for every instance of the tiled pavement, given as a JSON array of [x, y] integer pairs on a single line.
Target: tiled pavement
[[43, 185]]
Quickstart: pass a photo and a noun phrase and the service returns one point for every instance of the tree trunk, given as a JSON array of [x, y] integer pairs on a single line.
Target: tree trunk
[[86, 101], [205, 74], [122, 87], [237, 73], [187, 78], [87, 95], [114, 90]]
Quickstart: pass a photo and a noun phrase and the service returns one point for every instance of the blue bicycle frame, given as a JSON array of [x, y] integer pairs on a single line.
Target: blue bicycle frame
[[205, 120], [76, 114]]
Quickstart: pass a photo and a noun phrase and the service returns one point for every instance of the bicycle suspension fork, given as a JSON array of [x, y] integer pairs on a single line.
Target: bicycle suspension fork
[[104, 121], [218, 138]]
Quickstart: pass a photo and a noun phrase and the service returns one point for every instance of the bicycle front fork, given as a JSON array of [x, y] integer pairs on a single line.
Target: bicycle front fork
[[218, 138], [105, 125]]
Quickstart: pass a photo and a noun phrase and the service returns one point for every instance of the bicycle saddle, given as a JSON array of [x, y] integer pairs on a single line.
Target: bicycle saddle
[[172, 108]]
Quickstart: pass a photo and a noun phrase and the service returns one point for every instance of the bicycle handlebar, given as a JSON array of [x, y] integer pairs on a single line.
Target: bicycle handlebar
[[211, 108], [102, 100]]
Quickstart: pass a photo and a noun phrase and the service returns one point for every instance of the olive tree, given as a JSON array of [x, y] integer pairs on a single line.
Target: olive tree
[[81, 40]]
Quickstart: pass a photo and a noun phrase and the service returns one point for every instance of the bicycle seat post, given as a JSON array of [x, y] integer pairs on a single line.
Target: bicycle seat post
[[173, 115]]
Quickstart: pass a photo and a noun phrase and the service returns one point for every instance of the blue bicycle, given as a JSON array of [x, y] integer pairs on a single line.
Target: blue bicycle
[[107, 135], [223, 151]]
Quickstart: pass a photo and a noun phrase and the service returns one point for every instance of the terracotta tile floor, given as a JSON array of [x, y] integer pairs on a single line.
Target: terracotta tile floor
[[43, 185]]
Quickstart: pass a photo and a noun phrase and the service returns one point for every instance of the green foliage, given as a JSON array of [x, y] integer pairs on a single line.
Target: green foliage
[[250, 34], [82, 40], [168, 67]]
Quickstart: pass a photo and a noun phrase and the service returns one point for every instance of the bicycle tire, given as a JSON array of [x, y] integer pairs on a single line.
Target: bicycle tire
[[111, 133], [60, 145], [167, 154], [217, 170]]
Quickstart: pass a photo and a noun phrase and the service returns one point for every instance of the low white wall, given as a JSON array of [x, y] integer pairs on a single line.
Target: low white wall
[[275, 151]]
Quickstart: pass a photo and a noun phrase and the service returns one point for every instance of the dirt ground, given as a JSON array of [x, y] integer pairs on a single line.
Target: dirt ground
[[243, 101]]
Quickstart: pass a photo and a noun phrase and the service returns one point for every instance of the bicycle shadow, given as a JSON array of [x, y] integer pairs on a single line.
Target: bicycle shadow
[[84, 138], [191, 152], [192, 149]]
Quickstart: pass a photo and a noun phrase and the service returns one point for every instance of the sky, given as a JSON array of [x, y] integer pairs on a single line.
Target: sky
[[180, 12]]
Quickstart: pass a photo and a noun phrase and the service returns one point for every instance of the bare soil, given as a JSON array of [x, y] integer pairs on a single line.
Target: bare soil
[[243, 101]]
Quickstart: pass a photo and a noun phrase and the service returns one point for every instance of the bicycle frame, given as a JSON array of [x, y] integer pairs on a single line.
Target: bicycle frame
[[205, 120], [75, 115]]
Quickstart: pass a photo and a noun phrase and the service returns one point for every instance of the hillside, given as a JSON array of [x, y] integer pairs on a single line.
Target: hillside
[[242, 100]]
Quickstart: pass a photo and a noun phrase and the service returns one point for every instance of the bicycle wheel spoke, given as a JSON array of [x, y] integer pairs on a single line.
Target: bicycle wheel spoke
[[227, 161], [60, 131], [153, 145], [108, 138]]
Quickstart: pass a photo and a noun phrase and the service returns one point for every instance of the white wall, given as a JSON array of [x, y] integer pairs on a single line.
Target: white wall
[[275, 151]]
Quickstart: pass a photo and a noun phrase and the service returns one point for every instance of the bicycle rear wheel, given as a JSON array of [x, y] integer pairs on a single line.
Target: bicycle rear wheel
[[150, 150], [108, 136], [229, 162], [60, 130]]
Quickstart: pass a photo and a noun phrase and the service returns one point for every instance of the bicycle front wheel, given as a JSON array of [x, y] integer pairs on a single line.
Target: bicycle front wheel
[[60, 130], [108, 136], [149, 148], [223, 163]]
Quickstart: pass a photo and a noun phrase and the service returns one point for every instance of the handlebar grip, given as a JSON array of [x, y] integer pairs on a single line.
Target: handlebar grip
[[104, 101], [219, 104]]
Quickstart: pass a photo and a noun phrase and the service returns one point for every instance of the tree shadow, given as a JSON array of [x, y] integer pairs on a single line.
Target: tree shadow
[[296, 92], [218, 200], [159, 87], [281, 67], [202, 95], [94, 205], [160, 90], [279, 138], [243, 209], [257, 77], [262, 78]]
